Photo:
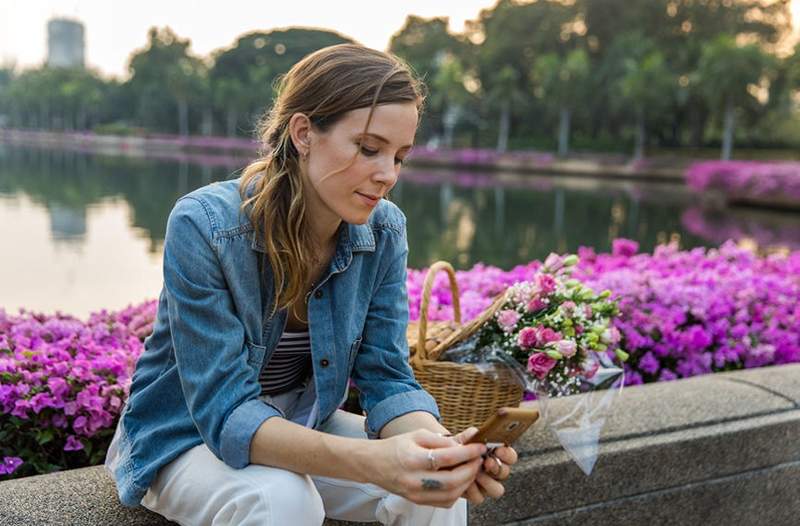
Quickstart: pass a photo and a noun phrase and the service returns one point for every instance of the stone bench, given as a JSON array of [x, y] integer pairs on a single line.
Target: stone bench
[[720, 449]]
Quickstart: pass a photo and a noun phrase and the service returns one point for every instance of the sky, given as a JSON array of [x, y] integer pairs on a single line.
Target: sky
[[113, 29]]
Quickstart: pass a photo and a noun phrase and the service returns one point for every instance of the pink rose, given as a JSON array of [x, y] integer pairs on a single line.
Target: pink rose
[[535, 304], [566, 347], [508, 319], [587, 310], [546, 283], [527, 338], [540, 364], [547, 335], [568, 307]]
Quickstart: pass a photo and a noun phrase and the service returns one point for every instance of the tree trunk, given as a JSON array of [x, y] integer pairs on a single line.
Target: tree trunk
[[563, 132], [638, 152], [727, 134], [505, 124], [231, 122], [183, 118]]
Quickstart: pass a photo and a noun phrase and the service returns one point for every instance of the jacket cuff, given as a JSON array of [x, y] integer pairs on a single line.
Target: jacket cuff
[[239, 428], [398, 405]]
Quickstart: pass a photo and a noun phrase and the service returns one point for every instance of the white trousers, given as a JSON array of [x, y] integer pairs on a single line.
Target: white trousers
[[199, 489]]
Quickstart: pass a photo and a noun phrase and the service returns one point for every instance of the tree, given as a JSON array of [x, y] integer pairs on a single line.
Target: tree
[[646, 85], [504, 95], [244, 75], [561, 81], [442, 61], [449, 94], [726, 73], [166, 62]]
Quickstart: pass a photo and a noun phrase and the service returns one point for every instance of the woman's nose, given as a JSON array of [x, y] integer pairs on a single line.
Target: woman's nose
[[388, 173]]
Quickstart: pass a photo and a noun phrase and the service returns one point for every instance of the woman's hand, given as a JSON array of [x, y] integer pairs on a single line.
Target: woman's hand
[[495, 468], [426, 467]]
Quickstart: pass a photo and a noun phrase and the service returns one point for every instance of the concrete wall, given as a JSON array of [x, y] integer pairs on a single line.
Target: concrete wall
[[720, 449]]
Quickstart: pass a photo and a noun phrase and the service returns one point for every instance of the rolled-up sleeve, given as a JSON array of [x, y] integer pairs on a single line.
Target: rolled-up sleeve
[[381, 371], [208, 338]]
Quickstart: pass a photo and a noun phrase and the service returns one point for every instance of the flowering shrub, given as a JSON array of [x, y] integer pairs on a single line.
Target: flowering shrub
[[747, 178], [685, 313], [553, 325], [62, 385], [682, 313]]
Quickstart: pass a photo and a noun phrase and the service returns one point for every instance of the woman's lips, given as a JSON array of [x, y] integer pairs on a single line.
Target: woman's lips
[[367, 200]]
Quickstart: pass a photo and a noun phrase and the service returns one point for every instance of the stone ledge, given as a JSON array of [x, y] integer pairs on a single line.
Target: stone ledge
[[717, 449]]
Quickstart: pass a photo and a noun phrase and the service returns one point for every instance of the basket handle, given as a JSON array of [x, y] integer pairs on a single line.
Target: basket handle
[[421, 353]]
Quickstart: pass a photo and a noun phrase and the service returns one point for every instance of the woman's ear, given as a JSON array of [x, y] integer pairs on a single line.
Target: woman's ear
[[300, 132]]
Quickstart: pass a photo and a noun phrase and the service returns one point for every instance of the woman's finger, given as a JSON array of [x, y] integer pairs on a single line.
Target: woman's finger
[[506, 454], [496, 468], [490, 486], [447, 457], [474, 494], [464, 436]]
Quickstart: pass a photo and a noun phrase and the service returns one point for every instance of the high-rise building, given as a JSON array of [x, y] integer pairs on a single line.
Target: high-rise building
[[65, 43]]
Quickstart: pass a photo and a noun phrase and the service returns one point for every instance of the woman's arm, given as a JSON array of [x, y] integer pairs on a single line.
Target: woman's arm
[[411, 422]]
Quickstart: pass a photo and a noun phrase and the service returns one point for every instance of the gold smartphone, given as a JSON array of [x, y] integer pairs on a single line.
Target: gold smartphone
[[505, 426]]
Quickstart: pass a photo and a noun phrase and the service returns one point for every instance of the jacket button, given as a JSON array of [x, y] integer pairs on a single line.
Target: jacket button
[[324, 362], [318, 294]]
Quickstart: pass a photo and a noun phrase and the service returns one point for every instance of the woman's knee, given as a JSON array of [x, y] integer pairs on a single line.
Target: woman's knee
[[291, 498], [200, 489]]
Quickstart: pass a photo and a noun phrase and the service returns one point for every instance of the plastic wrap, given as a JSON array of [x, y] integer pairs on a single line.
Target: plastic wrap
[[576, 421]]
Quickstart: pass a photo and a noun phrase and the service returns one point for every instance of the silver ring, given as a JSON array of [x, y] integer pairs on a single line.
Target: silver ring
[[499, 465], [432, 461]]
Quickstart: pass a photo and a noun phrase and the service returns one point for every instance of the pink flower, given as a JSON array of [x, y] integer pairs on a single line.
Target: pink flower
[[546, 283], [73, 444], [527, 338], [540, 364], [9, 465], [508, 319], [547, 335], [566, 347], [535, 304], [624, 247], [568, 307]]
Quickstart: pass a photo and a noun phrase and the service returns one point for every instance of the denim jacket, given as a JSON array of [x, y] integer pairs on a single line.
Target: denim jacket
[[197, 378]]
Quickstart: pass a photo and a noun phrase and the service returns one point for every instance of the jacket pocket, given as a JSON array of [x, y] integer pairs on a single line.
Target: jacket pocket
[[255, 354]]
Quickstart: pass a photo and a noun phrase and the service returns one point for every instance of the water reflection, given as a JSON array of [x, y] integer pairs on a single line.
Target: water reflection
[[105, 209]]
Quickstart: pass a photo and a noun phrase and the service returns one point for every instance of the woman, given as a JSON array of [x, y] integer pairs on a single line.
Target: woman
[[279, 287]]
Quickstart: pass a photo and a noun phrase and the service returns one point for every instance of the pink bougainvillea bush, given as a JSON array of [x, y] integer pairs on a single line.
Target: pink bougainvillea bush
[[63, 382], [682, 313], [747, 178]]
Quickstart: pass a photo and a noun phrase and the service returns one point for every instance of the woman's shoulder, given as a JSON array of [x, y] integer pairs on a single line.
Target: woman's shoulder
[[219, 201], [387, 214]]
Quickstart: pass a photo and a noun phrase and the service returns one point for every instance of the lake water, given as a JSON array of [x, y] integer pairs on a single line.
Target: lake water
[[82, 232]]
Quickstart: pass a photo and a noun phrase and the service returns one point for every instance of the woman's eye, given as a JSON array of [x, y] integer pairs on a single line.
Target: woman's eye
[[368, 152], [398, 161]]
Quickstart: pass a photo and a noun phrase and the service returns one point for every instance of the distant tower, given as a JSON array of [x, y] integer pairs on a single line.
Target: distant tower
[[65, 43]]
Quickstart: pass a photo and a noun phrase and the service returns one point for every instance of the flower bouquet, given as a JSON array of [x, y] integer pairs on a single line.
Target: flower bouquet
[[556, 334], [557, 328]]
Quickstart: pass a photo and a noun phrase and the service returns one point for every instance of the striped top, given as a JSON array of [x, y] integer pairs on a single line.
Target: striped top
[[289, 364]]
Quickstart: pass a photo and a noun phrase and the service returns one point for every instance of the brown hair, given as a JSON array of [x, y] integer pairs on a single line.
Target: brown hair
[[324, 86]]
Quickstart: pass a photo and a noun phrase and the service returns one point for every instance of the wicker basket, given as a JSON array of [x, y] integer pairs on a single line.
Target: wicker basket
[[465, 395]]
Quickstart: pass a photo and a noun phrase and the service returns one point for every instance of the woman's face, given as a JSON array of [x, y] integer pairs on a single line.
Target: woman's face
[[343, 177]]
